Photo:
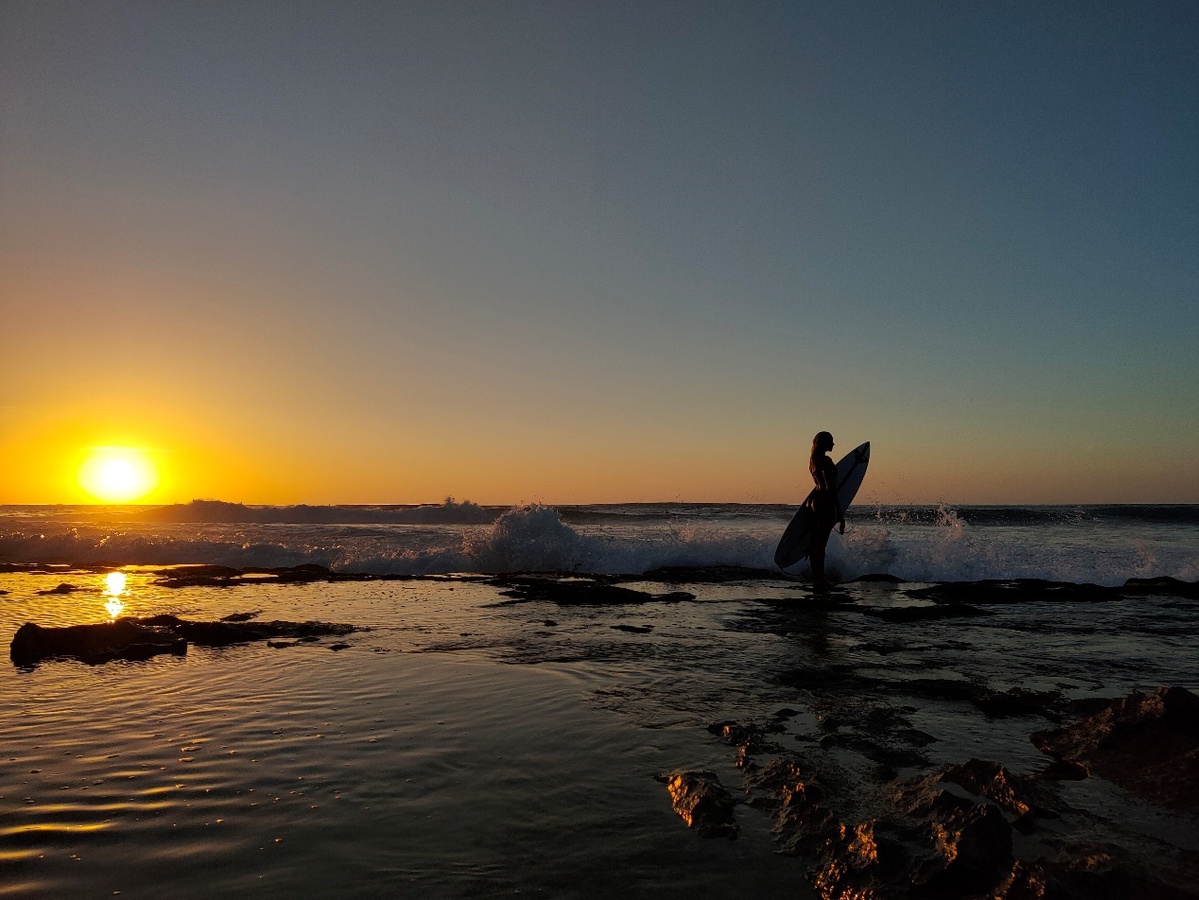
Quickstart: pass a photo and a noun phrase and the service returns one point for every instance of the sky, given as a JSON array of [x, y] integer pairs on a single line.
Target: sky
[[575, 252]]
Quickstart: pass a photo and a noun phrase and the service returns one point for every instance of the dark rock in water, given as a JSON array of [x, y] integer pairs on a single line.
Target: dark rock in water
[[1162, 585], [749, 740], [1016, 590], [925, 613], [93, 644], [138, 638], [578, 592], [1019, 702], [241, 617], [227, 576], [1145, 743], [306, 572], [711, 575], [943, 836], [63, 588], [633, 629], [702, 802]]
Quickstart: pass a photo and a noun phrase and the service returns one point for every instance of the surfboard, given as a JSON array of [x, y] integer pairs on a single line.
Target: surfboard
[[797, 539]]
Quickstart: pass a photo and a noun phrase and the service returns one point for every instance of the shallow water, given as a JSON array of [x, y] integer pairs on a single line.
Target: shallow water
[[374, 770], [472, 743]]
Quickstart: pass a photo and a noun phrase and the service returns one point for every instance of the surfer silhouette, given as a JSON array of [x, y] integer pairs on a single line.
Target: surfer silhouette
[[823, 502]]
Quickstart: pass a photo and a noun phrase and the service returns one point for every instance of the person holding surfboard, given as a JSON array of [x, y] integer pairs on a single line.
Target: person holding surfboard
[[823, 502]]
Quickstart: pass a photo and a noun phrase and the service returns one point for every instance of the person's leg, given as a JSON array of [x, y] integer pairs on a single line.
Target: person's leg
[[820, 536]]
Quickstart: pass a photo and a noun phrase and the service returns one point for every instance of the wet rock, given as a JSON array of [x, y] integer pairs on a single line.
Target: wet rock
[[887, 754], [711, 575], [227, 576], [139, 638], [749, 740], [1020, 796], [1145, 743], [303, 573], [63, 588], [223, 634], [877, 578], [582, 592], [1016, 590], [1162, 585], [201, 579], [925, 613], [241, 617], [971, 848], [1084, 873], [92, 644], [633, 629], [1019, 702], [702, 802], [946, 835]]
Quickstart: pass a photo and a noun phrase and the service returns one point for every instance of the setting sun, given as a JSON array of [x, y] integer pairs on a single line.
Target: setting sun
[[117, 474]]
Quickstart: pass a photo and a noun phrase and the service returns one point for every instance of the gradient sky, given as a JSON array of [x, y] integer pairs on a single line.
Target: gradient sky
[[601, 251]]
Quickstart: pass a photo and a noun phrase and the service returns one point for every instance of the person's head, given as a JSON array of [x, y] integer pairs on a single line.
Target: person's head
[[822, 443]]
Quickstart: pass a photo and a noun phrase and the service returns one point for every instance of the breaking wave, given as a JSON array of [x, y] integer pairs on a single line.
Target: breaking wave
[[926, 544]]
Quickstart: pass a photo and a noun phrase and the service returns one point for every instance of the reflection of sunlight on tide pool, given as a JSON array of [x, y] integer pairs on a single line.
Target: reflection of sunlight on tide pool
[[114, 587]]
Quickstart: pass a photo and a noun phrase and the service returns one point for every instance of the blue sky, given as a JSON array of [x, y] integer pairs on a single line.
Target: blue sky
[[369, 252]]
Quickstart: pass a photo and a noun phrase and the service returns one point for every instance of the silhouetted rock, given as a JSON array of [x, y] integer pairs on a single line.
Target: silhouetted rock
[[711, 575], [139, 638], [1146, 743], [1162, 585], [925, 613], [581, 592], [226, 576], [1015, 590], [1019, 702], [63, 588], [93, 644], [702, 802]]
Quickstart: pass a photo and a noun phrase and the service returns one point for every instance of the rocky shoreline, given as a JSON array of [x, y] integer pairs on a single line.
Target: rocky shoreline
[[973, 830]]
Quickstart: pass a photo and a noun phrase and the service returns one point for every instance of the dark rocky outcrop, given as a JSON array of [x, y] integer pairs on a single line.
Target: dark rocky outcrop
[[1145, 743], [925, 613], [973, 830], [711, 575], [140, 638], [947, 835], [580, 592], [702, 802], [63, 588], [122, 639], [227, 576]]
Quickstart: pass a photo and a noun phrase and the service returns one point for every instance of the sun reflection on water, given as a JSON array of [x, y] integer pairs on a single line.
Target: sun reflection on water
[[114, 588]]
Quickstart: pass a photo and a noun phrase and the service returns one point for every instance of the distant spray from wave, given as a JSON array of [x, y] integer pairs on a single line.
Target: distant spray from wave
[[942, 546]]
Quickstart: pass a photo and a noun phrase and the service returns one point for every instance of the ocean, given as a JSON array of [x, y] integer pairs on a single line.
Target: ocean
[[1098, 544], [522, 680]]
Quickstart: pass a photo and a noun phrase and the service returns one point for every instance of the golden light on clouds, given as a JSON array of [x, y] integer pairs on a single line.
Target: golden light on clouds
[[117, 474]]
